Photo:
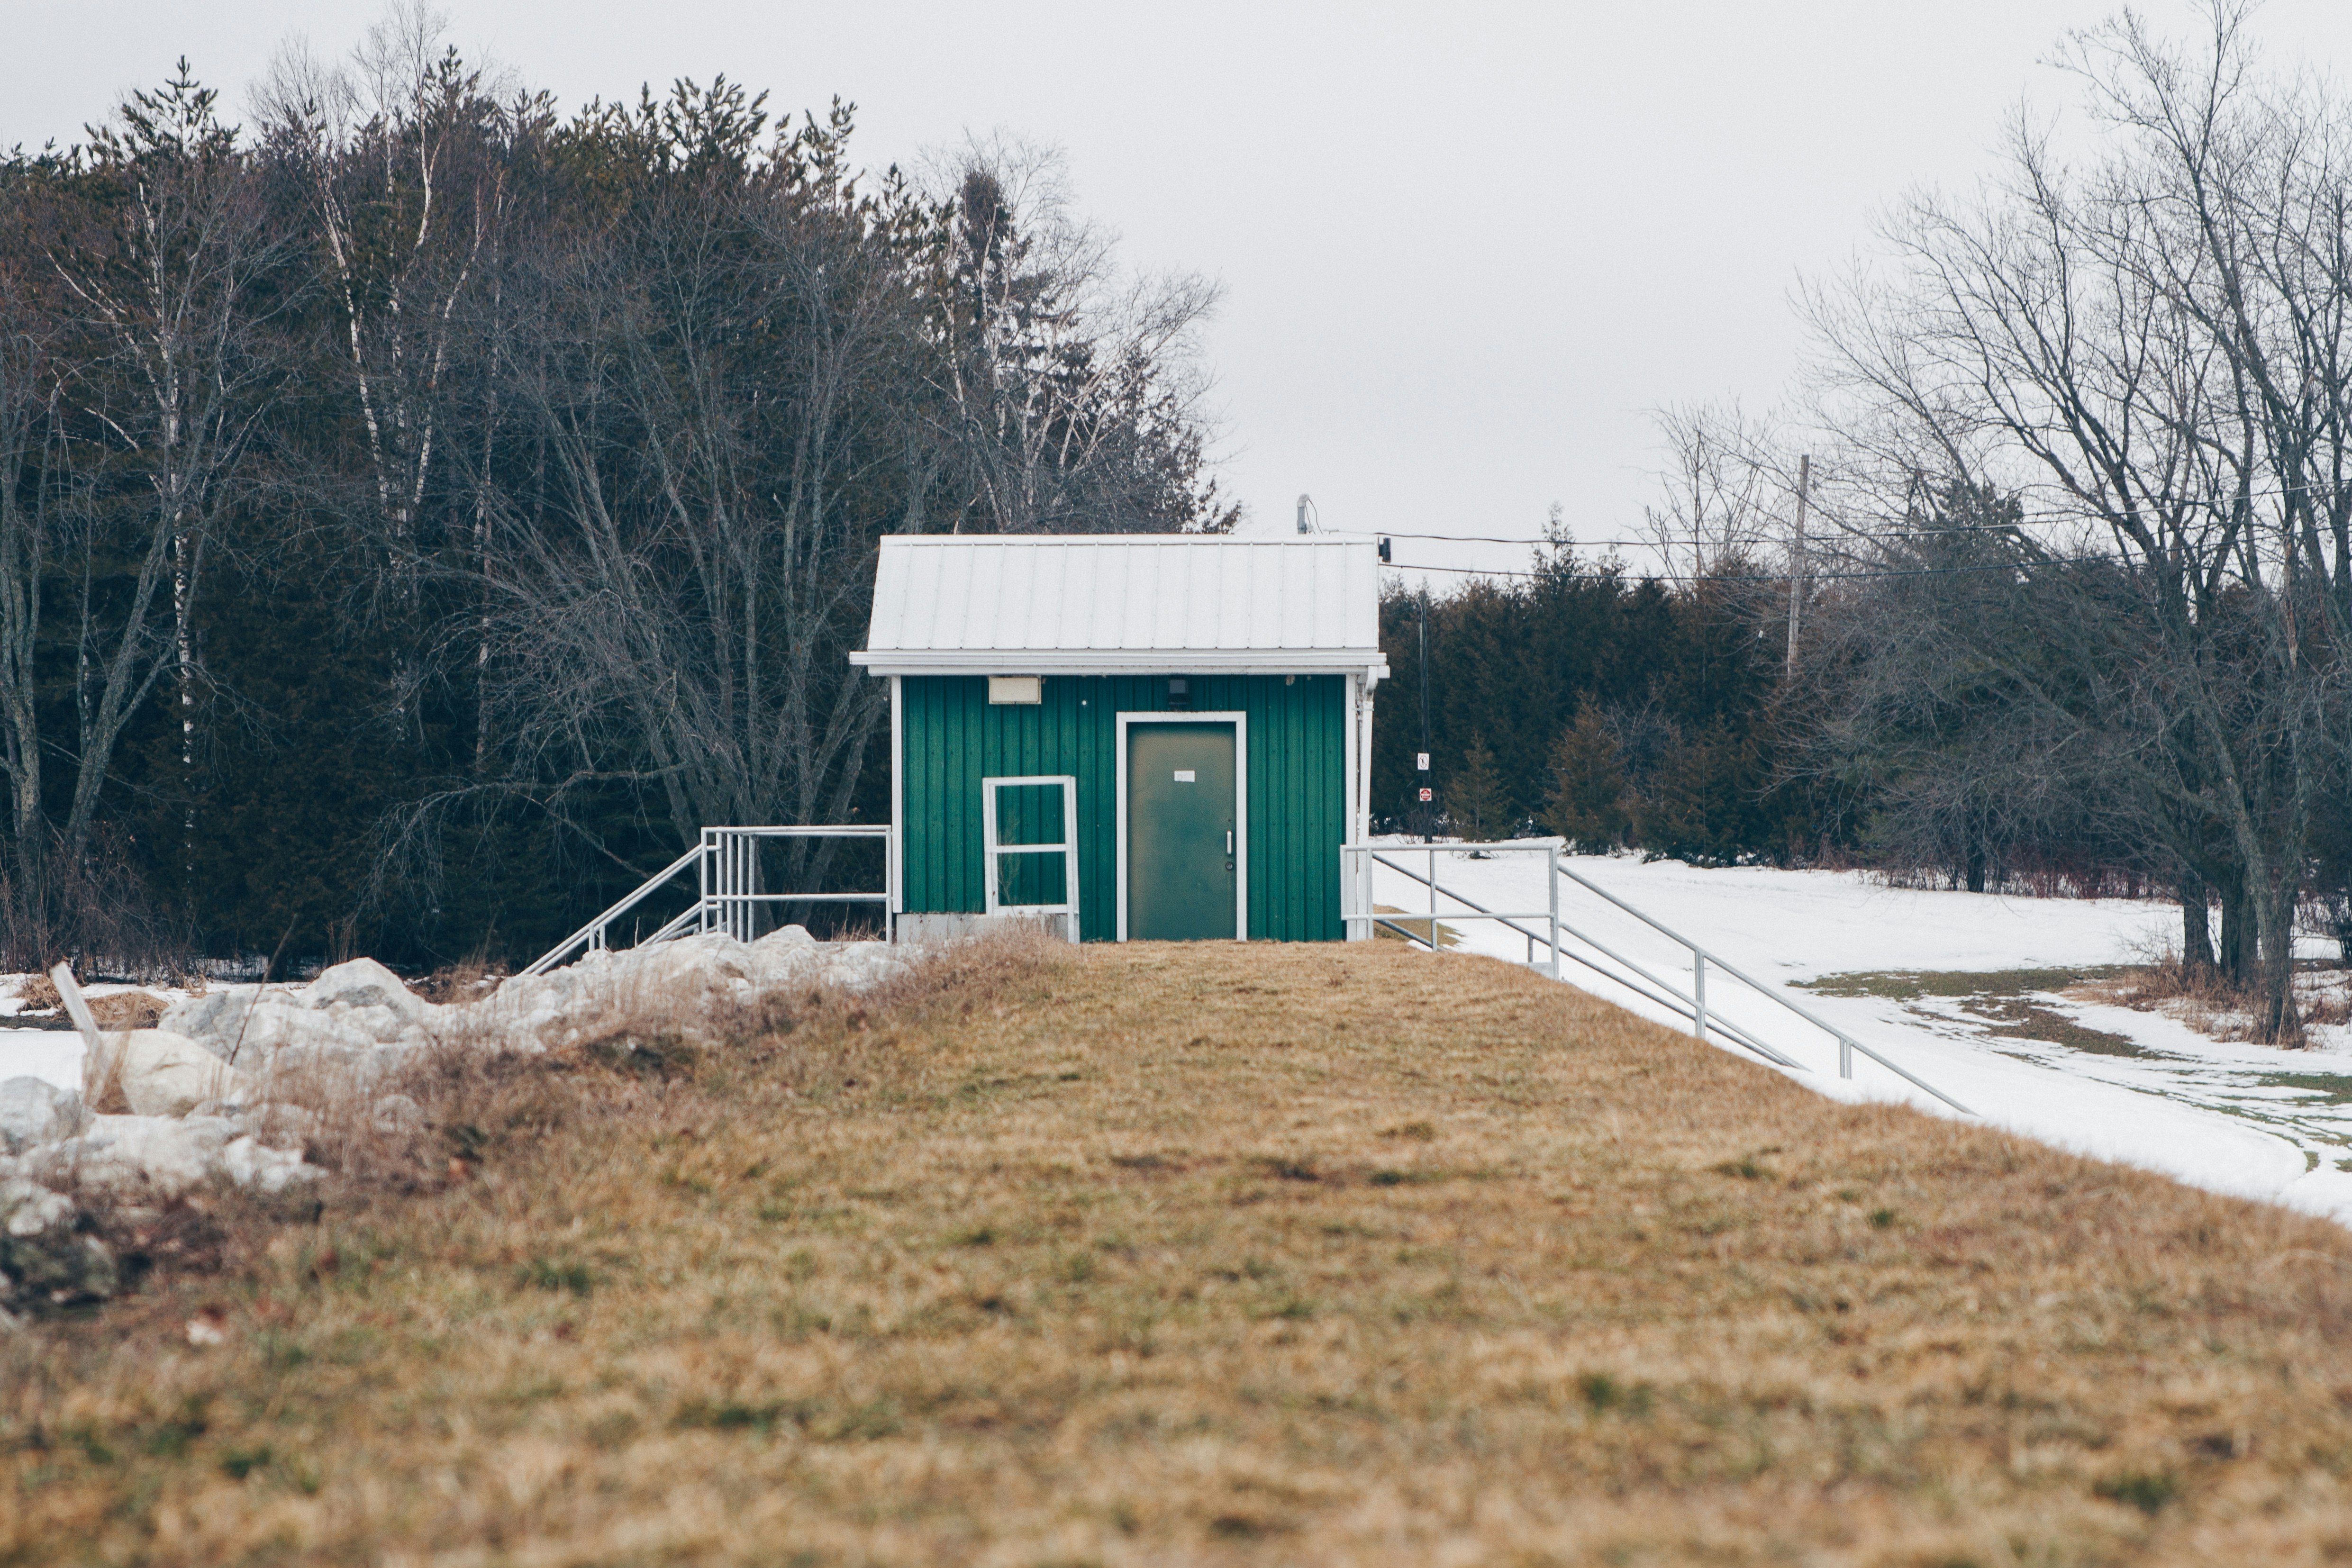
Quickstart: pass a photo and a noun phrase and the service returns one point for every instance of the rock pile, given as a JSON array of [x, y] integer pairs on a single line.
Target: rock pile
[[213, 1088]]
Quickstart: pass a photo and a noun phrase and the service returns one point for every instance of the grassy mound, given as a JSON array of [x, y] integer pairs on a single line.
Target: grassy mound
[[1199, 1254]]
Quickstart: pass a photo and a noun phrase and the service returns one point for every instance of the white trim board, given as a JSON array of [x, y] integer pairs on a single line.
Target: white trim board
[[897, 801], [1113, 661], [1240, 721]]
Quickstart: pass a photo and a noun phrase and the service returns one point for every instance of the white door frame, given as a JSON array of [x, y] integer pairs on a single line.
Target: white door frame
[[1240, 721]]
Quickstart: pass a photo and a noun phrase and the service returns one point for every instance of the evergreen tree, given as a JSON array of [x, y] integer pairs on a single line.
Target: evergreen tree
[[1587, 802], [1705, 808], [1477, 802]]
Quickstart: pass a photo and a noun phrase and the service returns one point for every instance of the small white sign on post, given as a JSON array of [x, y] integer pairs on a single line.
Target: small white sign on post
[[1421, 761]]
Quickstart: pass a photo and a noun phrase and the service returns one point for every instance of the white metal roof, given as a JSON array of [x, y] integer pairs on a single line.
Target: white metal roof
[[1099, 603]]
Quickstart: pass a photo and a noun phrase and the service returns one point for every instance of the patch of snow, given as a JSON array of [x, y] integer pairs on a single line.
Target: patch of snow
[[52, 1055]]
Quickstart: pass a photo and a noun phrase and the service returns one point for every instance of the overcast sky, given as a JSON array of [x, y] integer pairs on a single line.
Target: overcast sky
[[1465, 248]]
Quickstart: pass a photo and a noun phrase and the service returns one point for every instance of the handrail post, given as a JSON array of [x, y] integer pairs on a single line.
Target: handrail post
[[1699, 993], [1845, 1057], [1551, 881], [1433, 898]]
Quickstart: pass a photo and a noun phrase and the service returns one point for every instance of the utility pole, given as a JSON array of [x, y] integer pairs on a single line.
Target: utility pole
[[1796, 561], [1429, 815]]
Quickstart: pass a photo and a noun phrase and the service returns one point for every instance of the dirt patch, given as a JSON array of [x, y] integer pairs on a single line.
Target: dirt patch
[[1910, 985], [2013, 1018], [1999, 999]]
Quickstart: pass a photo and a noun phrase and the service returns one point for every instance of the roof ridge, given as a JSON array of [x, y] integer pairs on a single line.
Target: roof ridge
[[1294, 543]]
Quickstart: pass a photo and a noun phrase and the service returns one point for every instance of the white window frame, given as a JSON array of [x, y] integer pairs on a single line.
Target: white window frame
[[992, 851], [1240, 721]]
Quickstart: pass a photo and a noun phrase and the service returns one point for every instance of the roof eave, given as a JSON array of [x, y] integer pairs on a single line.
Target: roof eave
[[1121, 661]]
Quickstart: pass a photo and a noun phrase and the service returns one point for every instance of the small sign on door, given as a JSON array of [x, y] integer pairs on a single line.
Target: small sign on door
[[1184, 775]]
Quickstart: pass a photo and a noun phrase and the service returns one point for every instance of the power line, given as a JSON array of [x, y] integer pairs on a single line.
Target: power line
[[2038, 517], [1848, 530], [1783, 577]]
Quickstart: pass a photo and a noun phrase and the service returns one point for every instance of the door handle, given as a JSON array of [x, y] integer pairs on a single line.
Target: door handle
[[1229, 840]]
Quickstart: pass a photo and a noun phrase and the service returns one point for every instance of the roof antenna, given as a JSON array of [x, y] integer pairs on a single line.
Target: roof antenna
[[1304, 502]]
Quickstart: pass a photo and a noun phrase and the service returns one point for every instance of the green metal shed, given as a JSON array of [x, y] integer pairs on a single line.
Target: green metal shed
[[1151, 737]]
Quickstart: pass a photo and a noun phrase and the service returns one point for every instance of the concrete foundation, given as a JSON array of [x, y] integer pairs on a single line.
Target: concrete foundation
[[922, 928]]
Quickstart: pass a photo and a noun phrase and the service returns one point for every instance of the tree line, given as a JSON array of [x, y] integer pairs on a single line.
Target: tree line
[[1578, 699], [2078, 584], [421, 508]]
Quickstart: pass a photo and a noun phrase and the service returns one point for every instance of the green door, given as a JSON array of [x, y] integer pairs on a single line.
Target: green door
[[1180, 833]]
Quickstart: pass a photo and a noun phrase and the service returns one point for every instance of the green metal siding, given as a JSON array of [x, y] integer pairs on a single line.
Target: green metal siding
[[953, 737]]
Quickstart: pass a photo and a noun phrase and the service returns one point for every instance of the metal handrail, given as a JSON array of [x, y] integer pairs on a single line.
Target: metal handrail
[[1701, 956], [1368, 855], [732, 864], [1692, 1007], [716, 901], [1673, 1001], [593, 934]]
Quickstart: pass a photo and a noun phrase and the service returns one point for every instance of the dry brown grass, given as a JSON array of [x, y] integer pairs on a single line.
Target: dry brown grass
[[1419, 928], [2207, 1002], [126, 1010], [1215, 1254], [466, 981]]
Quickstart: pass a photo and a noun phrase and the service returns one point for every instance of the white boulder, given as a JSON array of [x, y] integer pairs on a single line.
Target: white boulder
[[136, 1156], [688, 984], [362, 983], [276, 1037], [352, 1013], [34, 1110], [163, 1073], [248, 1162], [42, 1258], [380, 1024], [396, 1113], [214, 1017], [28, 1209]]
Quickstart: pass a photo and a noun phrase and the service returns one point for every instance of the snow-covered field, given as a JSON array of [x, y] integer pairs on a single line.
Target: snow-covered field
[[2236, 1118]]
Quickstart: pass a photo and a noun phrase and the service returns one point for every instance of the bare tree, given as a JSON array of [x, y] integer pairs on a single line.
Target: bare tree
[[725, 385], [400, 156], [29, 432], [2150, 349], [1722, 493], [159, 249], [1073, 390]]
